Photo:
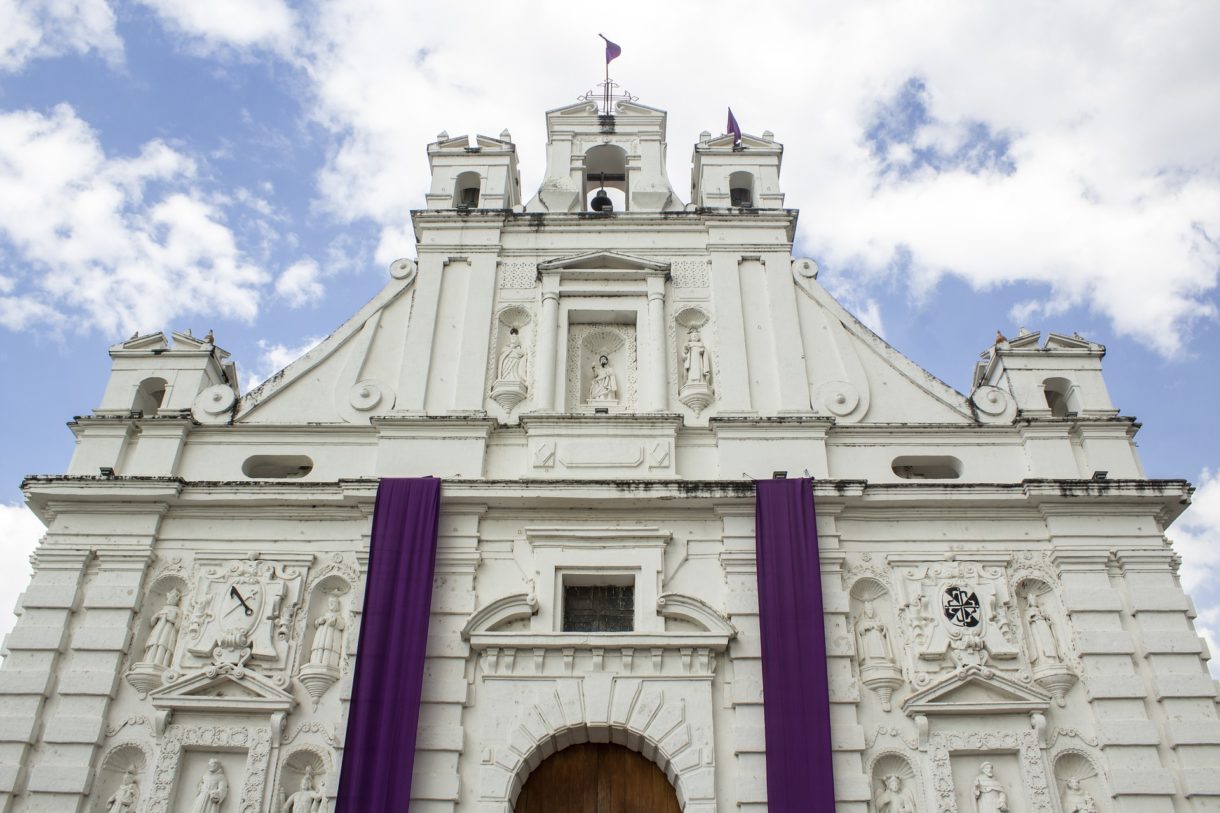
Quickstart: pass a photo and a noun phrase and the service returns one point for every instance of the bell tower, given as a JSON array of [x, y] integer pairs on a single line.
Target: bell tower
[[606, 148]]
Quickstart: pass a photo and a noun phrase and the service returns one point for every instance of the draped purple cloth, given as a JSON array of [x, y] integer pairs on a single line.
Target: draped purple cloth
[[380, 747], [796, 699]]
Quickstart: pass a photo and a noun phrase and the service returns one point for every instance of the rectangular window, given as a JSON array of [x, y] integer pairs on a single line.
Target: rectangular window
[[598, 607]]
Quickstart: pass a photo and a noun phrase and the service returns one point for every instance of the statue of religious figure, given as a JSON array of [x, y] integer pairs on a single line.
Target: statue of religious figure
[[159, 649], [212, 789], [305, 800], [1043, 646], [124, 799], [989, 794], [605, 384], [695, 359], [893, 797], [874, 637], [1076, 800], [328, 636], [512, 358]]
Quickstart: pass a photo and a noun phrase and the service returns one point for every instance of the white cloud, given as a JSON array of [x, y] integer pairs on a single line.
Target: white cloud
[[276, 357], [1112, 201], [238, 24], [1196, 538], [113, 243], [298, 284], [37, 29], [20, 531]]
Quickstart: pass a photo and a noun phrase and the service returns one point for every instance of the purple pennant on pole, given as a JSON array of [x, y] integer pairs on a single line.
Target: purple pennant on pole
[[734, 128], [612, 50]]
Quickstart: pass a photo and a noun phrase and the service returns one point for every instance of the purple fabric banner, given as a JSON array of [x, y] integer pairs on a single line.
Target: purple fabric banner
[[380, 747], [796, 699]]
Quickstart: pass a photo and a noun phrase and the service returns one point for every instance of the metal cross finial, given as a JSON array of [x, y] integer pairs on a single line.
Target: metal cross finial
[[607, 96]]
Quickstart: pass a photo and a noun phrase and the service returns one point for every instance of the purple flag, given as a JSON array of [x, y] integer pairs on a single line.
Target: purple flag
[[734, 128], [612, 50]]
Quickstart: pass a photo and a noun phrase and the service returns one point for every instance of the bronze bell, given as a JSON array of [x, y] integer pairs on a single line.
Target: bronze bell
[[601, 202]]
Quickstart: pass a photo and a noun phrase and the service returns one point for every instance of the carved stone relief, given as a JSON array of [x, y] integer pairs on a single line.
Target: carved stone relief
[[695, 370], [117, 788], [956, 614], [1043, 643], [602, 368], [157, 652], [518, 274], [1080, 786], [176, 781], [1018, 776]]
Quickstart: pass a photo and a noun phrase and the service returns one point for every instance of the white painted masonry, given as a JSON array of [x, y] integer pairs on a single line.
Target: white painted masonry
[[1005, 622]]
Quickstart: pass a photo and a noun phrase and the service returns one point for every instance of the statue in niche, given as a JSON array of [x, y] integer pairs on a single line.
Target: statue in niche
[[695, 359], [124, 799], [1043, 646], [328, 637], [605, 383], [894, 797], [212, 790], [512, 358], [874, 637], [159, 650], [305, 800], [989, 794], [1076, 800]]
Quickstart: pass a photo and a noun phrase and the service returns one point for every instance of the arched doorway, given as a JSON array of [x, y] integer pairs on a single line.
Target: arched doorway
[[597, 778]]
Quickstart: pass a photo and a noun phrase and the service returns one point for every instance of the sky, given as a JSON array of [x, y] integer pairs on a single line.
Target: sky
[[249, 166]]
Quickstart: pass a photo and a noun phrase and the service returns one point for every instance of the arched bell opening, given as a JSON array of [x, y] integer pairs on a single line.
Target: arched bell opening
[[741, 189], [605, 184], [466, 190], [597, 777]]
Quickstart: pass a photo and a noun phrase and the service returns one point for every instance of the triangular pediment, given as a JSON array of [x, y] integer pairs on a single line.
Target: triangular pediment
[[601, 260], [230, 689], [749, 142], [976, 690]]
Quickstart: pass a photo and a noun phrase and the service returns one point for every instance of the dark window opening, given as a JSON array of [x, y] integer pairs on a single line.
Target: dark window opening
[[740, 197], [470, 198], [598, 607]]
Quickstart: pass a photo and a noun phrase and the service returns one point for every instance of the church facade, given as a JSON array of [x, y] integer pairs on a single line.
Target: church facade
[[598, 373]]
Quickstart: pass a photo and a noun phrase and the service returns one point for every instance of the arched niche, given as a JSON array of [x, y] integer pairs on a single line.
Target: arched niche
[[150, 394], [1033, 593], [334, 587], [741, 189], [122, 762], [466, 190], [873, 631], [1079, 782], [303, 762], [1061, 397], [895, 785], [155, 600], [605, 167]]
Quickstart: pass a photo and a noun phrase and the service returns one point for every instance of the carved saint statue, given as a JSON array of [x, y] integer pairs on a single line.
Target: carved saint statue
[[1076, 800], [874, 638], [695, 359], [989, 794], [605, 384], [512, 358], [328, 635], [212, 789], [305, 800], [1043, 646], [893, 797], [159, 649], [124, 799]]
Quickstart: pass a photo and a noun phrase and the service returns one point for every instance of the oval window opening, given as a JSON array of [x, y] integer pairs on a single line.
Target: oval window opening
[[276, 466], [927, 467]]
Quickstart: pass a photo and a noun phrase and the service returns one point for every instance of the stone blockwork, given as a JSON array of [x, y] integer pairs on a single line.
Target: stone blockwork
[[1005, 627]]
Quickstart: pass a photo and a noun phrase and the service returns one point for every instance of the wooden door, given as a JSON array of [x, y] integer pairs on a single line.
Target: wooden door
[[597, 778]]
